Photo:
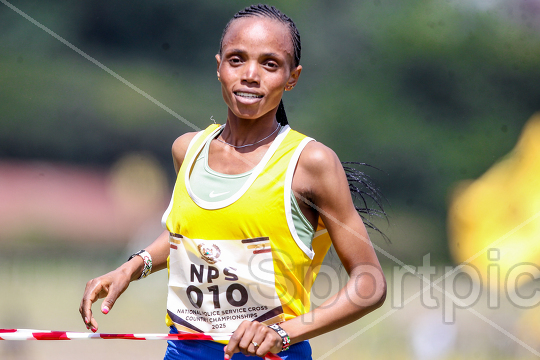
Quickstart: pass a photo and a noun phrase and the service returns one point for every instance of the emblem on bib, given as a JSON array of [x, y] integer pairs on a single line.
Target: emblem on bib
[[210, 254]]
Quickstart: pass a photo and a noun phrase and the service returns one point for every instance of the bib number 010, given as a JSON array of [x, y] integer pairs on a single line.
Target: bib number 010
[[195, 295]]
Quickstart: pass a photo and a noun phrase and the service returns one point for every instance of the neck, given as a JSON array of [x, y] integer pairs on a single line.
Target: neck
[[239, 131]]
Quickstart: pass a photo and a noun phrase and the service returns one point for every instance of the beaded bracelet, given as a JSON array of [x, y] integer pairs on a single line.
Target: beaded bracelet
[[147, 260], [284, 336]]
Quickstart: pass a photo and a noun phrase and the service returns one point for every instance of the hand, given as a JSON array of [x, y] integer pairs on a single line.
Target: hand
[[109, 286], [250, 332]]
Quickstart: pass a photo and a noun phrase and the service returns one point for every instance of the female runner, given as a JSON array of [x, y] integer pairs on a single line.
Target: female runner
[[255, 208]]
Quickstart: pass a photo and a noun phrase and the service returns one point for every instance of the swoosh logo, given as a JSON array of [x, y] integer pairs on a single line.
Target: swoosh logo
[[213, 195]]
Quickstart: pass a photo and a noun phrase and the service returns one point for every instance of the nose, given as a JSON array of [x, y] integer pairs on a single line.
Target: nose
[[251, 72]]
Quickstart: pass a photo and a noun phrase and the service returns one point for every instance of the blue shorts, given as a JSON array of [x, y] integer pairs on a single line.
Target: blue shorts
[[204, 349]]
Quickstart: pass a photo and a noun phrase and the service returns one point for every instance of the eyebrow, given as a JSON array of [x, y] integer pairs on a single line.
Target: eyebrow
[[243, 52], [270, 55], [236, 51]]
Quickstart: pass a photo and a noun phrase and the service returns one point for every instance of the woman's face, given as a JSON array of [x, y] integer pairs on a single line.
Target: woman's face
[[255, 66]]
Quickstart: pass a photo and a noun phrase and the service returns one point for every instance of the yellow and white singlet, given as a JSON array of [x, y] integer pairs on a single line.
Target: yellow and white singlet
[[240, 258]]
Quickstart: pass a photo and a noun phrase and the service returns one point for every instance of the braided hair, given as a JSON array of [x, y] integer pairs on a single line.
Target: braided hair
[[361, 186], [271, 12]]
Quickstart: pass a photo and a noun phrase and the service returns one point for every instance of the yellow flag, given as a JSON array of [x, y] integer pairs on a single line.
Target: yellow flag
[[495, 220]]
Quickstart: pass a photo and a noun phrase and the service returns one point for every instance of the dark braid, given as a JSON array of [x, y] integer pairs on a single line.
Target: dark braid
[[360, 184], [271, 12], [367, 197], [281, 117]]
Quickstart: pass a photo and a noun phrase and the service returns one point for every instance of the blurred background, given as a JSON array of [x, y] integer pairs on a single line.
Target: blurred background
[[431, 92]]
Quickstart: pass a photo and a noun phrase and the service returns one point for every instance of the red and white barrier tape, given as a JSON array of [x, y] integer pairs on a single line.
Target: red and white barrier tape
[[30, 334]]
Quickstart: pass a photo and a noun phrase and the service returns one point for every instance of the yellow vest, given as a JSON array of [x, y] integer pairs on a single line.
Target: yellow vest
[[240, 258]]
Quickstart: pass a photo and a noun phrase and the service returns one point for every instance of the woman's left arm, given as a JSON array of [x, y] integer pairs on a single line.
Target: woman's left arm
[[328, 191], [324, 185]]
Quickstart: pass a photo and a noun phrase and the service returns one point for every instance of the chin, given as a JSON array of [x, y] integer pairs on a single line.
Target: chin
[[246, 114]]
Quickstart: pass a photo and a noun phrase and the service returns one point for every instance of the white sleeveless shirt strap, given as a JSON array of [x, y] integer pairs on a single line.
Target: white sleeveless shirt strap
[[287, 194]]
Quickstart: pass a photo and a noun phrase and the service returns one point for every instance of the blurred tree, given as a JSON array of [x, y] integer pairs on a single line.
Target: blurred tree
[[430, 91]]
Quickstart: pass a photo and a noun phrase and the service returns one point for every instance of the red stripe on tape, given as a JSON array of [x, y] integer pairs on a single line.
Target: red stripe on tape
[[189, 337], [120, 336], [53, 335]]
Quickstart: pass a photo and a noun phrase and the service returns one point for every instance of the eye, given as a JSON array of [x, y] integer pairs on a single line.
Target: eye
[[235, 60], [272, 64]]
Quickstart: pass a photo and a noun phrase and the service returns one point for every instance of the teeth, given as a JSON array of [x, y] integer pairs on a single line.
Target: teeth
[[248, 95]]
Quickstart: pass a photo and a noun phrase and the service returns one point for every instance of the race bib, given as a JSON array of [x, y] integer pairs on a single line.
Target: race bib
[[215, 285]]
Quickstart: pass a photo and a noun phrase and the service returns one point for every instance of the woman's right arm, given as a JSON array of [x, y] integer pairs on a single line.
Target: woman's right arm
[[111, 285]]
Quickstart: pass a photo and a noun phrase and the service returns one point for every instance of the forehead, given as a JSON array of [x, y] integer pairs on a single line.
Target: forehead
[[259, 34]]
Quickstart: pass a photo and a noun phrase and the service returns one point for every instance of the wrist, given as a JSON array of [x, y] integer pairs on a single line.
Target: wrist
[[147, 263], [133, 268], [285, 339]]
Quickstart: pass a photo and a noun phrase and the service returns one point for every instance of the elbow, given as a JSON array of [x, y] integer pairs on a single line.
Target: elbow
[[371, 289], [380, 294]]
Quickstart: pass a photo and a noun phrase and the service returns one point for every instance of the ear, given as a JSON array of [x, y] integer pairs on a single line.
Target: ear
[[293, 78], [218, 61]]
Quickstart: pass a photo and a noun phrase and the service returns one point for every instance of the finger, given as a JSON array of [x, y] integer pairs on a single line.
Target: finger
[[88, 318], [86, 307], [85, 319], [232, 346], [93, 325], [263, 347], [245, 344], [272, 342], [267, 346], [91, 294], [109, 301], [252, 349]]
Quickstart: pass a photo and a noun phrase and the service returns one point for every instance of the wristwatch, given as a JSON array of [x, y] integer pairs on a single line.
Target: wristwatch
[[284, 336], [147, 260]]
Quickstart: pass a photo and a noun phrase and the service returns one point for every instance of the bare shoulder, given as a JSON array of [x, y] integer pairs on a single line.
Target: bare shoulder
[[317, 159], [320, 175], [179, 148]]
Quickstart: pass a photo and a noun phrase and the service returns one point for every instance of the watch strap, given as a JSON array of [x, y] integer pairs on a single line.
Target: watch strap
[[147, 260], [284, 336]]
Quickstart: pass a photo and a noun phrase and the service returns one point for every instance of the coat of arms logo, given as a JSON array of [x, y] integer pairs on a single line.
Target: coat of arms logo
[[209, 253]]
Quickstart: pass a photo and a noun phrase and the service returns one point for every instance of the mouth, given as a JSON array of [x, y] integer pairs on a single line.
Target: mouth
[[247, 95]]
